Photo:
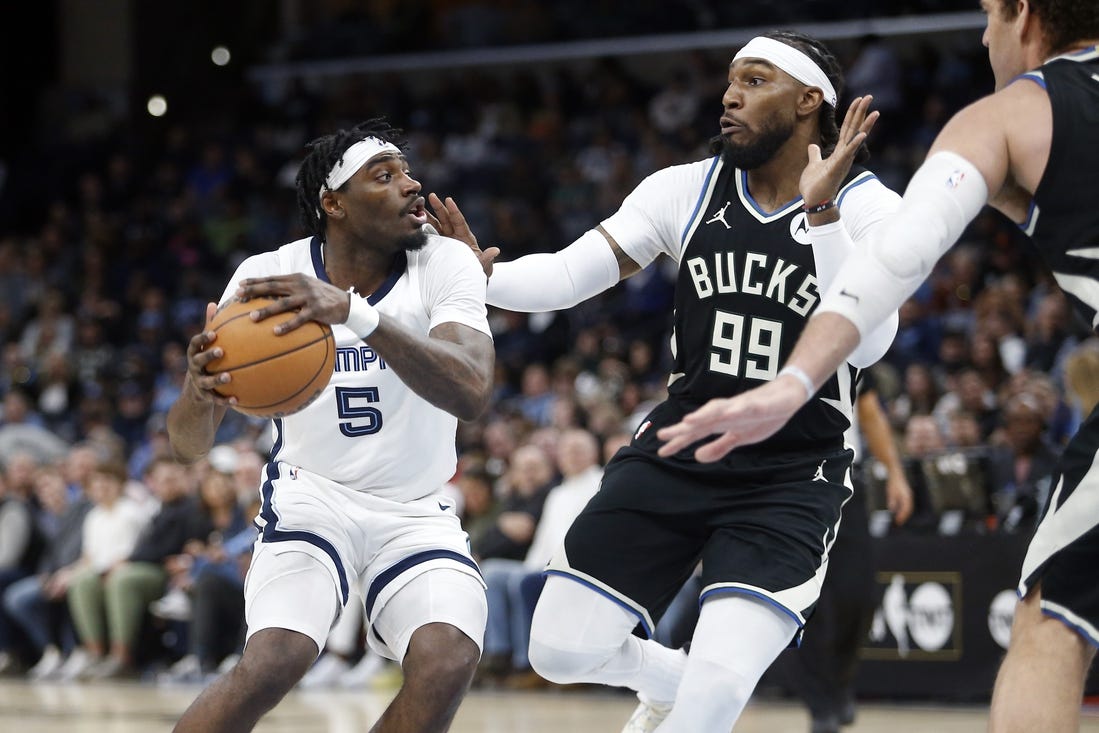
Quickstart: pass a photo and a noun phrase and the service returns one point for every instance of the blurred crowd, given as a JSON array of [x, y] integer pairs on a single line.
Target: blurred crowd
[[115, 560]]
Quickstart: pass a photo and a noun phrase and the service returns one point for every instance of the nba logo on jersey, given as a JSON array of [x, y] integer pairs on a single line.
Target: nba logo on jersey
[[955, 179]]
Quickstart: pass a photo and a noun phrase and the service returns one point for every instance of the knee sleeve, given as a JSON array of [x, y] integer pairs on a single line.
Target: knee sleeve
[[575, 631]]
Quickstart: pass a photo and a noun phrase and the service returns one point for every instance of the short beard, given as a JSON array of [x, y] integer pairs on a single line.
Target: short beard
[[414, 241], [758, 152]]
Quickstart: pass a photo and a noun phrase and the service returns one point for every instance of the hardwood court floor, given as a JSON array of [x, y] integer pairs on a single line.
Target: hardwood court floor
[[143, 708]]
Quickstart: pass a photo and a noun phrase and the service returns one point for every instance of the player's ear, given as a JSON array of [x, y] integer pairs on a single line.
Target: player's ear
[[333, 209], [809, 101]]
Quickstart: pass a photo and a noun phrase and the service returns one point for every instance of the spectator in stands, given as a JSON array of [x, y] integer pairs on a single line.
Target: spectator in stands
[[37, 603], [130, 586], [525, 487], [963, 431], [1022, 467], [1050, 337], [49, 332], [918, 397], [111, 530], [535, 402], [218, 497], [478, 503], [21, 430], [923, 437], [507, 632], [19, 544], [973, 396]]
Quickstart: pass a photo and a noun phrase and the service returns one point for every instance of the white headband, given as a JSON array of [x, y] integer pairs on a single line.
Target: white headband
[[792, 61], [353, 159]]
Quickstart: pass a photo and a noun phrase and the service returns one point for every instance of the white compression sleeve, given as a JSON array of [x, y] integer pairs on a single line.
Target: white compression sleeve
[[832, 245], [946, 193], [549, 282]]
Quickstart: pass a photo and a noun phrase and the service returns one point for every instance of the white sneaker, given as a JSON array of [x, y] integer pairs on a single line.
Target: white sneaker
[[646, 717], [185, 670], [77, 665], [174, 606], [325, 672], [48, 665], [362, 673]]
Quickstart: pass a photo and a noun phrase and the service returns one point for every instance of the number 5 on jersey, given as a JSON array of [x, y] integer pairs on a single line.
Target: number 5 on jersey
[[358, 419]]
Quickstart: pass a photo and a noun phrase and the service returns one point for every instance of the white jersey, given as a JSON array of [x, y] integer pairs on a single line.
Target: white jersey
[[368, 430]]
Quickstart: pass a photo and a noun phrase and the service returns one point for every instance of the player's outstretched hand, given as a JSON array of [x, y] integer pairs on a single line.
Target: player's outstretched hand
[[200, 352], [449, 221], [742, 420], [821, 179], [312, 298]]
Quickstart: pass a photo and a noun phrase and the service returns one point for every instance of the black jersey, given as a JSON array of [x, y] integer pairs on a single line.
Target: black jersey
[[746, 286], [747, 283], [1064, 215]]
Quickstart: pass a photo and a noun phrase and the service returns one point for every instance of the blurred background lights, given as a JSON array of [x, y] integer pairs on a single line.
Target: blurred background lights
[[220, 55], [157, 105]]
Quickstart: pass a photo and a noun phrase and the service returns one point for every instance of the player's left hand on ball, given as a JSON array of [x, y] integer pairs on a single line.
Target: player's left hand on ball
[[201, 351], [310, 297]]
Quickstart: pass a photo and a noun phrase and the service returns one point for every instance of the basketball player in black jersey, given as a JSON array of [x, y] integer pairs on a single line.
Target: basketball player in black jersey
[[1031, 150], [758, 230]]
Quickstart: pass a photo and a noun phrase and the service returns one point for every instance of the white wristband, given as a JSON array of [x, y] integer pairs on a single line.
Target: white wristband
[[362, 318], [799, 374]]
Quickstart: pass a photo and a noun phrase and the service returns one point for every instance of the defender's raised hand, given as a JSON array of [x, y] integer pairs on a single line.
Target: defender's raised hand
[[821, 179], [449, 221]]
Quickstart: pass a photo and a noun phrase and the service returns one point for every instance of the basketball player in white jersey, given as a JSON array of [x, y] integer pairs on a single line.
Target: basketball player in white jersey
[[352, 486], [754, 229], [1028, 150]]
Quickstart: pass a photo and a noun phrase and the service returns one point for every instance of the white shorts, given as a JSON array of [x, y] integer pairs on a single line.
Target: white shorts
[[352, 534]]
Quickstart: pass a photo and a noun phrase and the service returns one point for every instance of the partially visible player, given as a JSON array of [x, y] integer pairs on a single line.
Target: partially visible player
[[352, 488], [1030, 150]]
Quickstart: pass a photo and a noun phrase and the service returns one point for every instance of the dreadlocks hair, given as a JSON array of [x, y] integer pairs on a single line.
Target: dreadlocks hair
[[826, 60], [324, 153], [819, 54]]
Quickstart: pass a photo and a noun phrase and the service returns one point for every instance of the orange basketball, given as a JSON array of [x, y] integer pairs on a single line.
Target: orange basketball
[[273, 376]]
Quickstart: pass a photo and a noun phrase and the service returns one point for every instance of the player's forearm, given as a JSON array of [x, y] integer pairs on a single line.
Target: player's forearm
[[549, 282], [823, 347], [879, 436], [192, 424], [452, 369]]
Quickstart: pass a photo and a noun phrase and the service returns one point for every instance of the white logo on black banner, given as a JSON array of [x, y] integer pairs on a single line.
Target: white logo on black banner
[[917, 617]]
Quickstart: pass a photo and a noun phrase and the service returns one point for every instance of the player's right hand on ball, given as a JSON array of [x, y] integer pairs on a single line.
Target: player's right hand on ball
[[200, 352]]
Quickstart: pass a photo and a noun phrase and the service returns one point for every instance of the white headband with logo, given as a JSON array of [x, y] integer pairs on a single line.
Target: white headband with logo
[[353, 159], [792, 61]]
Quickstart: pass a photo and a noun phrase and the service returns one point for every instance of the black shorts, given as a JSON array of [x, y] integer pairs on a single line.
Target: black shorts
[[761, 523], [1064, 552]]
